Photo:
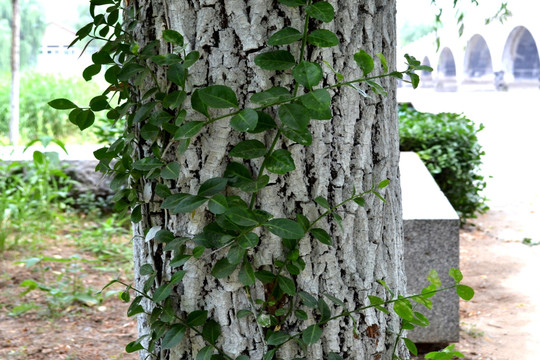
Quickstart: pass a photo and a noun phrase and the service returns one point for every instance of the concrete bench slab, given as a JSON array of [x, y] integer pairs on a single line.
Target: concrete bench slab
[[431, 231]]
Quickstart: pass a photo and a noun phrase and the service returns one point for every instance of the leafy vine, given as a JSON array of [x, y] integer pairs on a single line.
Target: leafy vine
[[161, 113]]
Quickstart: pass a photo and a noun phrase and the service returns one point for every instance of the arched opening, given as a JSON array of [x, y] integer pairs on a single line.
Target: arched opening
[[477, 58], [426, 77], [447, 65], [520, 55]]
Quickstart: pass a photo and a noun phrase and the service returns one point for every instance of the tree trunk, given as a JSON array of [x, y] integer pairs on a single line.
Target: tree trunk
[[357, 148], [15, 76]]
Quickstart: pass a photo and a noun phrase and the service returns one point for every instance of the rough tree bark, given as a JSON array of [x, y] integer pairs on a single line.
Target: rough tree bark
[[15, 75], [359, 147]]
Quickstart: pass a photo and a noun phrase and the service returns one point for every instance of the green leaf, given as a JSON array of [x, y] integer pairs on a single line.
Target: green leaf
[[188, 204], [211, 331], [308, 74], [171, 171], [177, 277], [173, 336], [323, 307], [322, 236], [162, 292], [465, 292], [191, 58], [384, 63], [318, 100], [189, 130], [293, 3], [360, 201], [294, 116], [205, 353], [404, 309], [275, 60], [280, 162], [235, 255], [218, 204], [312, 334], [127, 71], [277, 338], [212, 186], [62, 104], [147, 164], [302, 137], [237, 174], [285, 36], [376, 88], [321, 201], [136, 214], [173, 37], [323, 38], [364, 61], [285, 228], [133, 347], [301, 315], [335, 300], [243, 313], [241, 216], [256, 185], [433, 278], [308, 299], [223, 268], [334, 356], [84, 119], [198, 105], [93, 70], [149, 131], [271, 96], [172, 201], [146, 269], [245, 120], [246, 274], [287, 285], [177, 74], [456, 275], [174, 99], [248, 149], [415, 80], [383, 184], [219, 96], [411, 346], [197, 317], [248, 241], [264, 276], [322, 10]]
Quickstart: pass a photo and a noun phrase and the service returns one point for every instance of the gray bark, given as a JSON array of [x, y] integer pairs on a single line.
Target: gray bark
[[15, 75], [358, 147]]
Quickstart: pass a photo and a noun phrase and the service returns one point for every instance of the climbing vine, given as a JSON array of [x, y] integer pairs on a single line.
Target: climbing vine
[[160, 117]]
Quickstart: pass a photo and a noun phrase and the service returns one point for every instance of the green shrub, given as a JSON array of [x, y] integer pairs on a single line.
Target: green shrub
[[448, 145], [37, 118]]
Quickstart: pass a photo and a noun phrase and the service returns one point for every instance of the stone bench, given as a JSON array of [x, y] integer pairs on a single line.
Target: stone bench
[[431, 231]]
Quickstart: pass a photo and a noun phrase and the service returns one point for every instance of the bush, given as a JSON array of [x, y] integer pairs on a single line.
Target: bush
[[37, 118], [448, 145]]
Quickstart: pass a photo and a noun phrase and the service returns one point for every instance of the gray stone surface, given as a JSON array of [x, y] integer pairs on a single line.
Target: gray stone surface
[[88, 180], [431, 230]]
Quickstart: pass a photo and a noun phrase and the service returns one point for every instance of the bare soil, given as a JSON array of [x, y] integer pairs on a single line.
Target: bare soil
[[502, 322]]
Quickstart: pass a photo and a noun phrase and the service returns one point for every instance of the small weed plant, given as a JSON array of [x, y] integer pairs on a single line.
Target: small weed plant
[[285, 313]]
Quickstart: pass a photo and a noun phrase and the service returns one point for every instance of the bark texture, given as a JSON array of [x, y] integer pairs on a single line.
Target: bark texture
[[358, 147]]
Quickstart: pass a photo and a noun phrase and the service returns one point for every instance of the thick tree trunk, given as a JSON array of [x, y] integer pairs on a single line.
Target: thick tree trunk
[[358, 147], [15, 76]]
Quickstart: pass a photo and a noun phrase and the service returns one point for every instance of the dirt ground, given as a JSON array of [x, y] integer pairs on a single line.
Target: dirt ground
[[502, 322]]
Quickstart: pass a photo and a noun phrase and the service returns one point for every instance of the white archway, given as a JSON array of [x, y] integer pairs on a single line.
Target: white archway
[[520, 55], [477, 62]]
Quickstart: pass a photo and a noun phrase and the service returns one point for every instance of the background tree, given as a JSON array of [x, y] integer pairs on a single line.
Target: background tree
[[15, 76], [32, 30]]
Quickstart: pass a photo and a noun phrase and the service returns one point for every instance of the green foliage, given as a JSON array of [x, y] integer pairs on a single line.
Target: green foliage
[[36, 117], [236, 222], [448, 145], [32, 30]]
